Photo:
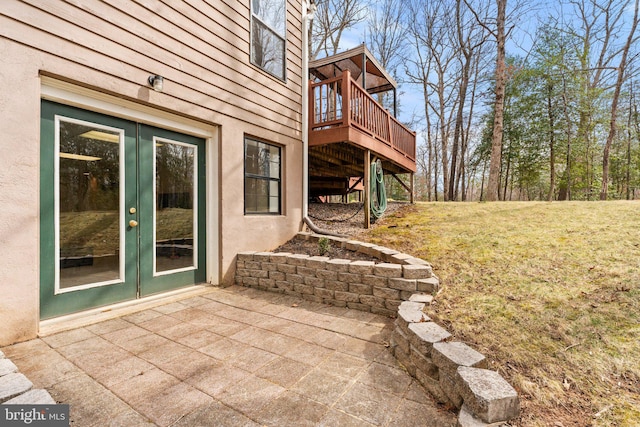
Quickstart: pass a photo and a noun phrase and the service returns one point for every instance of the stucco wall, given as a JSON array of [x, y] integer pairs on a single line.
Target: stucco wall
[[19, 182]]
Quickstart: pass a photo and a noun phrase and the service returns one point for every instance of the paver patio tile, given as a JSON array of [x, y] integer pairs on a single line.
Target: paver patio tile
[[345, 326], [108, 326], [322, 386], [283, 371], [343, 365], [336, 418], [361, 316], [332, 310], [271, 308], [75, 389], [187, 364], [170, 308], [167, 351], [215, 414], [81, 348], [128, 418], [139, 387], [368, 403], [387, 358], [329, 339], [252, 359], [243, 315], [417, 393], [217, 378], [250, 395], [180, 330], [96, 363], [299, 314], [225, 327], [275, 324], [361, 348], [143, 343], [160, 323], [126, 334], [308, 353], [164, 409], [413, 413], [62, 339], [125, 369], [141, 316], [96, 409], [212, 307], [26, 349], [194, 316], [300, 331], [199, 339], [276, 343], [290, 409], [46, 368], [195, 301], [385, 378], [224, 349]]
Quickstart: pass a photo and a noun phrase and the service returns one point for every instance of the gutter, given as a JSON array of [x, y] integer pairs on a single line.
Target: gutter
[[308, 10]]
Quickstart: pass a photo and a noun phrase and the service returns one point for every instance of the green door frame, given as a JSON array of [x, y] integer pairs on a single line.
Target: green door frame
[[150, 281], [139, 189]]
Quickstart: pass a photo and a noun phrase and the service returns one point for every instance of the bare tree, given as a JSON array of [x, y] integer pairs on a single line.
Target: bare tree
[[470, 37], [500, 35], [331, 20], [386, 37], [431, 65], [614, 103]]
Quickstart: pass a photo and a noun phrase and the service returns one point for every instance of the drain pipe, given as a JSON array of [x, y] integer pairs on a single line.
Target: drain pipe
[[308, 10]]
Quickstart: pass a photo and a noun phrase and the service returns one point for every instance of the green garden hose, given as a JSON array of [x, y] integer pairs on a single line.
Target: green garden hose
[[378, 194]]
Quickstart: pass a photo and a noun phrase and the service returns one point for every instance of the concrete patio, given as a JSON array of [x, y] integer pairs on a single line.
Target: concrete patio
[[230, 357]]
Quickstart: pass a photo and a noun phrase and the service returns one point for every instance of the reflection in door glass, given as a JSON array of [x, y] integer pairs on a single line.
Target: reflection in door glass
[[89, 201], [174, 214]]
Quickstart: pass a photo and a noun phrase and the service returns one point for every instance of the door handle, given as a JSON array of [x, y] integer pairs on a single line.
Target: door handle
[[133, 223]]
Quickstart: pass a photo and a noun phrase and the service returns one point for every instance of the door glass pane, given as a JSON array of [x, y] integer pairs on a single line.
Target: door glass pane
[[174, 207], [89, 204]]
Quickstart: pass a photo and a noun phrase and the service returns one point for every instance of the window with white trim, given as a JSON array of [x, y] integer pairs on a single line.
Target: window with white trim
[[268, 35], [262, 177]]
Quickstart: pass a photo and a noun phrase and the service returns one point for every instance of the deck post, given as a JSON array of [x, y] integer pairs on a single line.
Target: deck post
[[346, 98], [367, 189], [412, 186]]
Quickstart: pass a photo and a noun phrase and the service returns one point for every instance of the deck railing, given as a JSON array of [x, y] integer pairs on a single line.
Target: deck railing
[[340, 101]]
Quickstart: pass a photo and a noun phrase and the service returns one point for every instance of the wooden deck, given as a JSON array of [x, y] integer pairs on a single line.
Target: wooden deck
[[346, 121]]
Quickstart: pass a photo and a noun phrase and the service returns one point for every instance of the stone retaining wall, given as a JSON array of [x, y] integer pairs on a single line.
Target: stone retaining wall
[[363, 285], [452, 372], [399, 286]]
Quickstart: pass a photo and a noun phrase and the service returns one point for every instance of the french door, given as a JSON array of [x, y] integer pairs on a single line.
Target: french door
[[121, 210]]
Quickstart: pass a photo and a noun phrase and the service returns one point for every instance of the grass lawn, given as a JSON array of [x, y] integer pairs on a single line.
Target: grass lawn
[[549, 292]]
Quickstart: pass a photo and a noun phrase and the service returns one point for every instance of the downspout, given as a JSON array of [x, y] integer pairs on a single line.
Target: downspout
[[308, 10]]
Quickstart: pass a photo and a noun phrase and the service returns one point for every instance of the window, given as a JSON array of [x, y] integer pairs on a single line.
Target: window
[[262, 182], [268, 32]]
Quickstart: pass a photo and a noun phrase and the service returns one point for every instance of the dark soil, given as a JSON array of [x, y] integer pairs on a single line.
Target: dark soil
[[299, 246]]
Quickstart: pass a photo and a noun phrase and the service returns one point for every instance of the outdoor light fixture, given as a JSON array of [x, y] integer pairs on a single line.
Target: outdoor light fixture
[[156, 82]]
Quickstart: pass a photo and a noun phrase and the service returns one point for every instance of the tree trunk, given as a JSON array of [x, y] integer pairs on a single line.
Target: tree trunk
[[552, 152], [614, 105], [496, 143]]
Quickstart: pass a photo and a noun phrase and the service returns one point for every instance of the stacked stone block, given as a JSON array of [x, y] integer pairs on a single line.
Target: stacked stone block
[[362, 285], [16, 389], [452, 372]]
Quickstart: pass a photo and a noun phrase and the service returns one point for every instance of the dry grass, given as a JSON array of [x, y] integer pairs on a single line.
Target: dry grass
[[548, 291]]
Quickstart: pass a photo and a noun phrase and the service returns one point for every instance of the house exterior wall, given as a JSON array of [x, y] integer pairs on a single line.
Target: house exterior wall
[[110, 47]]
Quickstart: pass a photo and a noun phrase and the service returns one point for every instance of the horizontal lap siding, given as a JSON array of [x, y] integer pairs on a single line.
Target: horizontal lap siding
[[201, 47]]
